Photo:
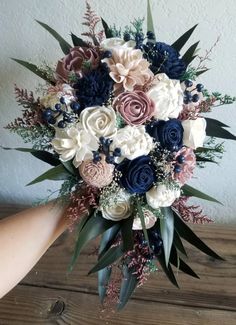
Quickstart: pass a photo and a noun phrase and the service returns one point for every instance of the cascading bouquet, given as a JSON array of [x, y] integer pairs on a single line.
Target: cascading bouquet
[[121, 121]]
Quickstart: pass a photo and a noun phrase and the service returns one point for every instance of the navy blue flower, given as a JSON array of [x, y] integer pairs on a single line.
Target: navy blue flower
[[94, 88], [168, 133], [164, 59], [138, 175]]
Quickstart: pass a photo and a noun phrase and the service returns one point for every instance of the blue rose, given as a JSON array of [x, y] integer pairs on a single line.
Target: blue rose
[[168, 133], [138, 175]]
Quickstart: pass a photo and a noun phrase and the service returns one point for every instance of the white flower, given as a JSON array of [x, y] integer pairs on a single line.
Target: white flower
[[118, 207], [133, 142], [55, 93], [161, 196], [115, 42], [74, 143], [167, 96], [194, 132], [99, 121], [149, 219]]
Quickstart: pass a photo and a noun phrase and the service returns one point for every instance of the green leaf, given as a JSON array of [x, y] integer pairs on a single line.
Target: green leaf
[[113, 254], [57, 173], [191, 191], [108, 238], [40, 154], [63, 44], [215, 128], [78, 41], [203, 159], [69, 167], [141, 216], [103, 280], [168, 270], [180, 264], [150, 25], [128, 285], [33, 68], [187, 233], [127, 234], [107, 30], [177, 242], [183, 39], [82, 223], [94, 227], [167, 231], [189, 56], [199, 72]]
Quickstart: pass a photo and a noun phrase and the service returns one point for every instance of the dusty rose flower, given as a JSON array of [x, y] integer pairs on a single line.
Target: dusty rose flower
[[79, 60], [128, 68], [135, 107], [187, 166], [98, 174]]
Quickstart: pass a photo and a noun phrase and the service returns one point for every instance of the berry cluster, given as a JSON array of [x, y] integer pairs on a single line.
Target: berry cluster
[[188, 96], [104, 149], [179, 160]]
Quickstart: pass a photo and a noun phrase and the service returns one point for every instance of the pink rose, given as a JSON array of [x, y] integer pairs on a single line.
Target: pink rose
[[98, 174], [135, 107], [187, 166], [79, 60]]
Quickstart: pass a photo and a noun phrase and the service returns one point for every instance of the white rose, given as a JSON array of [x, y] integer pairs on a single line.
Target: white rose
[[167, 96], [118, 207], [149, 219], [194, 132], [72, 143], [133, 142], [161, 196], [99, 121], [115, 42]]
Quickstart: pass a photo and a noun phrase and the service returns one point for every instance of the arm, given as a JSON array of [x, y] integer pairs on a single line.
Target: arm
[[24, 238]]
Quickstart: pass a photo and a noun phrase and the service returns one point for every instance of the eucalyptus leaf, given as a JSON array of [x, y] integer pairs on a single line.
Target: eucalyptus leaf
[[141, 216], [128, 285], [108, 238], [167, 231], [33, 68], [177, 242], [191, 191], [183, 39], [189, 56], [150, 25], [216, 129], [69, 167], [108, 258], [107, 30], [168, 270], [103, 280], [78, 41], [186, 233], [180, 264], [57, 173], [63, 43], [127, 234], [95, 226]]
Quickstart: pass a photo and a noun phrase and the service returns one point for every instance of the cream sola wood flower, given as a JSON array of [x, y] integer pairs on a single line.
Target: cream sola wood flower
[[128, 68], [74, 143]]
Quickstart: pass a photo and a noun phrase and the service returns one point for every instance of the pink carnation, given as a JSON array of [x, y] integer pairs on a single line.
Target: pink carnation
[[135, 107], [187, 166], [79, 60], [98, 174]]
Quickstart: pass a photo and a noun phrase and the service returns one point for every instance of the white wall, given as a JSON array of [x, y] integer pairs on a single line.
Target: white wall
[[23, 38]]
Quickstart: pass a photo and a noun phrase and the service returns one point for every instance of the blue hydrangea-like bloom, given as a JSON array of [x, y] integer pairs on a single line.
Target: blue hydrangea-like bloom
[[164, 59], [94, 88]]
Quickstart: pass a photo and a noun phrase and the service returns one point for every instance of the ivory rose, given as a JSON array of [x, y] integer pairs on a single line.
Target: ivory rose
[[194, 132], [133, 142], [118, 207], [99, 121], [135, 107], [149, 220], [115, 42], [161, 196], [74, 143], [167, 96]]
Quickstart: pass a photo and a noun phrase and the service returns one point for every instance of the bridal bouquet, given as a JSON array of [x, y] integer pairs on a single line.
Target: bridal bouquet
[[121, 120]]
